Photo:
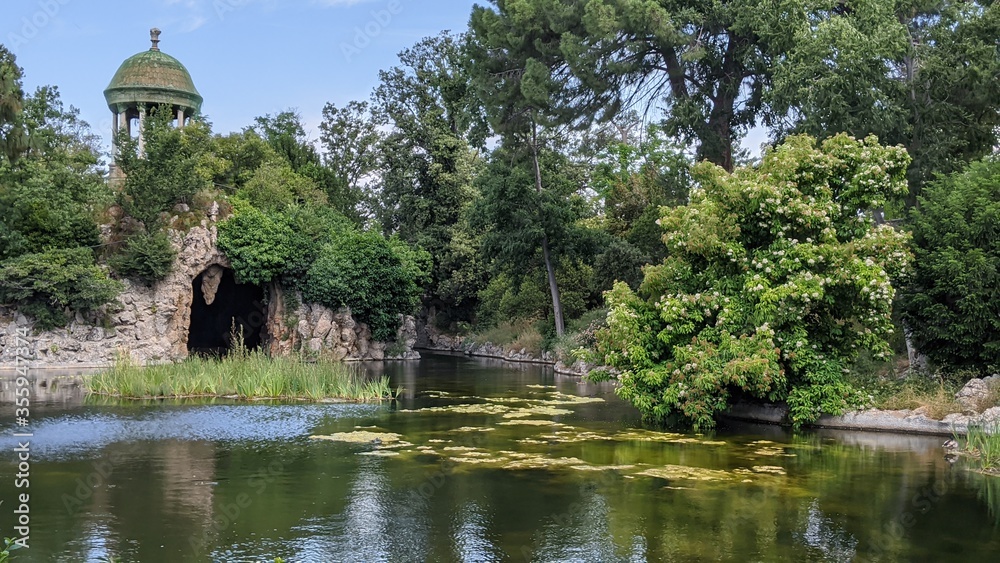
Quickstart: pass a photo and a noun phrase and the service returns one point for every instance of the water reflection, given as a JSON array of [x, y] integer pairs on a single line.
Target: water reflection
[[173, 472]]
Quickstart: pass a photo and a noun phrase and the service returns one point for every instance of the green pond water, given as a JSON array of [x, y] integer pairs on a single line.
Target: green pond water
[[478, 461]]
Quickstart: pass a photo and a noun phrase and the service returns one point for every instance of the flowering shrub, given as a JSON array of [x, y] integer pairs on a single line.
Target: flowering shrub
[[775, 278]]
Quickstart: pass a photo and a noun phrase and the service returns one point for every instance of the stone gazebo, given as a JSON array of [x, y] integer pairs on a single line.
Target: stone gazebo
[[146, 81]]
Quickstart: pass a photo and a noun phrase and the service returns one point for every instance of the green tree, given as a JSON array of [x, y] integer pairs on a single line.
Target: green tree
[[914, 72], [361, 270], [635, 177], [50, 197], [775, 278], [351, 138], [705, 62], [259, 245], [429, 160], [13, 137], [952, 300], [145, 258], [525, 228], [168, 172], [47, 285], [518, 67]]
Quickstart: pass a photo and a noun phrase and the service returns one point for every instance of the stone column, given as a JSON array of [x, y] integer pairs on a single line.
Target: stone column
[[180, 118], [142, 129]]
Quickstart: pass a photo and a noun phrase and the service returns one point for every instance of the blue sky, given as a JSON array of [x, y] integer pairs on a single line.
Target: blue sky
[[247, 57]]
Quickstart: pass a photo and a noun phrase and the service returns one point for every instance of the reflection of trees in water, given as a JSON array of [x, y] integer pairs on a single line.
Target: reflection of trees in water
[[989, 492]]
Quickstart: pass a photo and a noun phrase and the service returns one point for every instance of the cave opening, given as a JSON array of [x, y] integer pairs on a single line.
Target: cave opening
[[222, 308]]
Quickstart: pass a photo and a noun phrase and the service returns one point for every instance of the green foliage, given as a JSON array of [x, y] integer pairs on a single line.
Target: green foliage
[[774, 279], [9, 544], [429, 161], [259, 245], [50, 197], [636, 177], [170, 170], [13, 137], [620, 261], [274, 186], [922, 74], [952, 300], [47, 284], [145, 258], [362, 270]]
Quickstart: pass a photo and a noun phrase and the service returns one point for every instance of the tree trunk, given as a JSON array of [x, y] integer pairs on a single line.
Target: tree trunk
[[546, 252]]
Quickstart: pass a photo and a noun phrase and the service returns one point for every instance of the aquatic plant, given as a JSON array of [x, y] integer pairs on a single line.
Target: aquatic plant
[[983, 443], [244, 375]]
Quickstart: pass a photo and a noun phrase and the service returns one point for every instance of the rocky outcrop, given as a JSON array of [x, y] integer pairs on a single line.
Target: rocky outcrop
[[977, 394], [151, 324], [315, 330]]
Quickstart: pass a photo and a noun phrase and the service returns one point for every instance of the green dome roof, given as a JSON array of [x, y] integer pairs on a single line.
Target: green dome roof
[[153, 77]]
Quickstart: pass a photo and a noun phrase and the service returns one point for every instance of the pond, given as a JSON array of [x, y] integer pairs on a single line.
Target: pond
[[479, 461]]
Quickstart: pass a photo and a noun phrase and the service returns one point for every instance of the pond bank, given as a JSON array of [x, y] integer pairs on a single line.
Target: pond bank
[[435, 341], [902, 421]]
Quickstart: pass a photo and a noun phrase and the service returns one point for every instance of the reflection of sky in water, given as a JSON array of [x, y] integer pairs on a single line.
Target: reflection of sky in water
[[831, 541], [471, 542], [74, 435]]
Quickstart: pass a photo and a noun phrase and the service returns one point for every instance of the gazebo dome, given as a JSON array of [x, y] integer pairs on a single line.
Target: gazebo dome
[[153, 78]]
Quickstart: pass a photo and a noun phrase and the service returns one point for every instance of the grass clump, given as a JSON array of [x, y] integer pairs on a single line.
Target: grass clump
[[983, 444], [515, 335], [935, 396], [243, 374]]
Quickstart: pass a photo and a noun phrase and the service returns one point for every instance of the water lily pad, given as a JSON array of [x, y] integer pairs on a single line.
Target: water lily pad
[[773, 469]]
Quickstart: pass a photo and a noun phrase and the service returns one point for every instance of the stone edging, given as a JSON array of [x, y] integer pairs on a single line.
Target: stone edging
[[904, 421]]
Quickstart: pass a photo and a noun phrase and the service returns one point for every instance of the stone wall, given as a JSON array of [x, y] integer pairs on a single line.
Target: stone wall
[[315, 330], [151, 324], [433, 339]]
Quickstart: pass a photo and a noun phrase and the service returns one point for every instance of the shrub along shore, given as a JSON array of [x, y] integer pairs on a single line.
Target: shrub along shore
[[247, 375]]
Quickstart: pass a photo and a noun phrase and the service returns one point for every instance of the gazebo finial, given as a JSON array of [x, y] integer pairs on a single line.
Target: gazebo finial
[[154, 36]]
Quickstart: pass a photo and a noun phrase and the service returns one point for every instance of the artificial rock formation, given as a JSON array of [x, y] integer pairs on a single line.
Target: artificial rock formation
[[152, 324], [315, 330]]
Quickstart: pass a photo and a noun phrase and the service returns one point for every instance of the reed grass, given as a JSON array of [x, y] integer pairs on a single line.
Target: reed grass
[[983, 443], [244, 375]]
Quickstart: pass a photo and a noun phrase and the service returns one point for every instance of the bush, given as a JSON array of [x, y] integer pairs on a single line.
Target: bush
[[774, 280], [168, 173], [952, 304], [620, 262], [45, 285], [361, 270], [259, 245], [145, 258]]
